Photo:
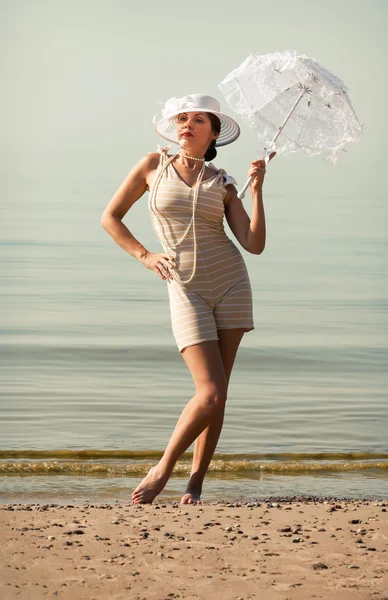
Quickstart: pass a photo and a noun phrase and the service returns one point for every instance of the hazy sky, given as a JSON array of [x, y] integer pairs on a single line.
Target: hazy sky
[[81, 81]]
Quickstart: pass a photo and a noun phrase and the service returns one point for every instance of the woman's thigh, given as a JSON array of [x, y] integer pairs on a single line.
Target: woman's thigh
[[229, 342], [210, 363], [206, 366]]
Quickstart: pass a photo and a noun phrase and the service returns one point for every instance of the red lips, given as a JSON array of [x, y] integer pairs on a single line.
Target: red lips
[[187, 134]]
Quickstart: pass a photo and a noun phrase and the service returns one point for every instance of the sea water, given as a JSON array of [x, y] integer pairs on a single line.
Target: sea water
[[92, 383]]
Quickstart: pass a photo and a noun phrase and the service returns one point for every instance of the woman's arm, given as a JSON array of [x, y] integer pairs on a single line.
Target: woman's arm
[[250, 232], [132, 188]]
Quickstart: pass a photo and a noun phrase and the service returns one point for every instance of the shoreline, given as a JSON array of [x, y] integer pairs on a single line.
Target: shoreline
[[306, 499], [275, 548]]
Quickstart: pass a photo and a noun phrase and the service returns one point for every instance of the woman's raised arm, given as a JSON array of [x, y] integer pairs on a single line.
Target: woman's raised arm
[[250, 232]]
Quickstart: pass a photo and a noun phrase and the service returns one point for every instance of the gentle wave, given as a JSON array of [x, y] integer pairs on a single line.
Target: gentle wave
[[229, 468], [341, 358], [92, 454]]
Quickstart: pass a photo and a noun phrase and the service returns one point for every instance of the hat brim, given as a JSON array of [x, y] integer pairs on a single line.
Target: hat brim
[[230, 130]]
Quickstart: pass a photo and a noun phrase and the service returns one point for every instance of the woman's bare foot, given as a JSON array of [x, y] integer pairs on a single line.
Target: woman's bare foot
[[150, 487], [192, 497]]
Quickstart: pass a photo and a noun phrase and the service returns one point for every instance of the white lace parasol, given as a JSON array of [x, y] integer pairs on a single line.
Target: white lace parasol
[[294, 104]]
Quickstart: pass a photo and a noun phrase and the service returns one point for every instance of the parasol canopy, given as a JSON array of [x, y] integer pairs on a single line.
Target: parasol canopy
[[294, 104]]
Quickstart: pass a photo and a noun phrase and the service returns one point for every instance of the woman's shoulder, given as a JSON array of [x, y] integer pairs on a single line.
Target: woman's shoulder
[[158, 155], [226, 179], [153, 158], [162, 150]]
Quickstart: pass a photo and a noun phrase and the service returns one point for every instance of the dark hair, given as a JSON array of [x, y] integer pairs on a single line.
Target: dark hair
[[211, 152]]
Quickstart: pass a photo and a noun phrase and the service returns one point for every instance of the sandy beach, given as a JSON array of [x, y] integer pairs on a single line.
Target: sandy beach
[[327, 549]]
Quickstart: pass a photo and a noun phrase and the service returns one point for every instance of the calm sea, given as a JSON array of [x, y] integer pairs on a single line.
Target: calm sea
[[92, 383]]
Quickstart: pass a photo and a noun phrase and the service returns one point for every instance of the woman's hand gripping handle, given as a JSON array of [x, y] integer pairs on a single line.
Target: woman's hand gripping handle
[[256, 173]]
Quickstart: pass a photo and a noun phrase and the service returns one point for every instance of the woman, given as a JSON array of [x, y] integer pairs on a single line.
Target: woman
[[208, 284]]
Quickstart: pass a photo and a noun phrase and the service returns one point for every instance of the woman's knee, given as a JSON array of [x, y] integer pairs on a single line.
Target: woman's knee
[[213, 395]]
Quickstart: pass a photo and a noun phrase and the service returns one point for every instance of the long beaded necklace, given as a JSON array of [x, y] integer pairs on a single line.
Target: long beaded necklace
[[154, 217]]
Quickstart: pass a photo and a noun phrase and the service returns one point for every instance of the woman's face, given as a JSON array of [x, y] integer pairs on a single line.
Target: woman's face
[[194, 131]]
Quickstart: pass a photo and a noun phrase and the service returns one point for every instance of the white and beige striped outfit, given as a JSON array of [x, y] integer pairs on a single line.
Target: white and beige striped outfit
[[211, 288]]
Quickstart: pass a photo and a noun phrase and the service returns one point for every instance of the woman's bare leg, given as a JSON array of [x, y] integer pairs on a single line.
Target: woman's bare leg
[[206, 442], [207, 370]]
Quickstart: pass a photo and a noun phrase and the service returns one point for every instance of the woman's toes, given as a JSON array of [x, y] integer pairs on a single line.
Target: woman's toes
[[191, 498], [150, 487]]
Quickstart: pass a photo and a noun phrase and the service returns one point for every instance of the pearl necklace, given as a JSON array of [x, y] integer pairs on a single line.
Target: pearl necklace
[[191, 157], [155, 217]]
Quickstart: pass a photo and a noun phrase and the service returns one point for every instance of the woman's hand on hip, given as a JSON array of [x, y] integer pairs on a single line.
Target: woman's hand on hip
[[160, 263]]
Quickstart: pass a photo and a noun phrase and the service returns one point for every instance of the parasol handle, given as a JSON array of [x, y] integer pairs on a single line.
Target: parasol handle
[[305, 89], [241, 194]]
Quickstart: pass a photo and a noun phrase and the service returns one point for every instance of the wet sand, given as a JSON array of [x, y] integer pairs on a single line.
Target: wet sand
[[286, 550]]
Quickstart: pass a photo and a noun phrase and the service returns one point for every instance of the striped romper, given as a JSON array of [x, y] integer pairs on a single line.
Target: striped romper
[[211, 288]]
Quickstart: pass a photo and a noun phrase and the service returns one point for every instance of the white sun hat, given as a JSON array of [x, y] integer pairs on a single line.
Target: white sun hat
[[165, 124]]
